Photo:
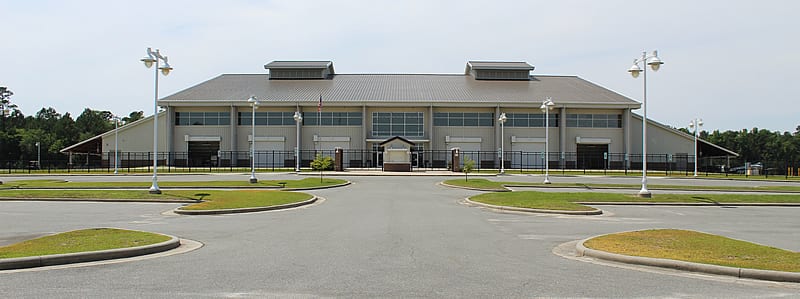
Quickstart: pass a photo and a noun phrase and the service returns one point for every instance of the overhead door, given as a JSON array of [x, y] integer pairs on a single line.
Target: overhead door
[[527, 155]]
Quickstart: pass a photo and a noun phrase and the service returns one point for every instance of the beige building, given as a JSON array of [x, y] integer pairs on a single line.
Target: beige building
[[210, 123]]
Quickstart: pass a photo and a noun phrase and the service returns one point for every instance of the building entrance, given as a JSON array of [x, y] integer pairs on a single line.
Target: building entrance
[[203, 153], [592, 156]]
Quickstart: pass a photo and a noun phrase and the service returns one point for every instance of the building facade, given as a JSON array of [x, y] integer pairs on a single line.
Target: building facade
[[210, 123]]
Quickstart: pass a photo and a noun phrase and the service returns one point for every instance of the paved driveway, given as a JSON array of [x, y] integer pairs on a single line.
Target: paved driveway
[[385, 237]]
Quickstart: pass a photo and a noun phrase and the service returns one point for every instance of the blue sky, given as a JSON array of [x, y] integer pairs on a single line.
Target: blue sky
[[731, 63]]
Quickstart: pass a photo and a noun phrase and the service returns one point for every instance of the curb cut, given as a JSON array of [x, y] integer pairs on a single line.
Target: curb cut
[[472, 188], [563, 212], [247, 210], [91, 256], [688, 266]]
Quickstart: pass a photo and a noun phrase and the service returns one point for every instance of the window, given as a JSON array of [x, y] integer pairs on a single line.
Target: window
[[530, 120], [594, 120], [332, 118], [202, 118], [267, 118], [406, 124], [458, 119]]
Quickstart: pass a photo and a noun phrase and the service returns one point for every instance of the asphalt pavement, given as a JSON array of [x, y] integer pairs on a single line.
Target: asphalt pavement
[[384, 237]]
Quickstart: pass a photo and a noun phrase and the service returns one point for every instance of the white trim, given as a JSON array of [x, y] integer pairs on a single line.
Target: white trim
[[515, 139], [592, 140], [449, 139], [267, 138], [188, 138], [412, 140]]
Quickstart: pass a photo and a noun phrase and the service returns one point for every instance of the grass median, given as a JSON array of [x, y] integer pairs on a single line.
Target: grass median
[[219, 200], [697, 247], [481, 183], [303, 183], [81, 241]]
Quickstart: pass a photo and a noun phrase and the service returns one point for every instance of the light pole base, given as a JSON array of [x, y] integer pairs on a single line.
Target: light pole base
[[547, 180], [154, 191], [253, 180], [644, 193]]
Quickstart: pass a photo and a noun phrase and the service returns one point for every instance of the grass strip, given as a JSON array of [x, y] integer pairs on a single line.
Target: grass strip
[[81, 241], [697, 247], [477, 183], [530, 200], [303, 183], [217, 200], [487, 184]]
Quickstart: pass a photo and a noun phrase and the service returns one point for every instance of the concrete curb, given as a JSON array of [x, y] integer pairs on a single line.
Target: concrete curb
[[247, 210], [563, 212], [471, 188], [689, 204], [659, 189], [98, 200], [688, 266], [347, 183], [81, 257]]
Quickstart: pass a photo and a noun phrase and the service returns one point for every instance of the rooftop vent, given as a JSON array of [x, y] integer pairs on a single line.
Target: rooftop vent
[[299, 70], [499, 70]]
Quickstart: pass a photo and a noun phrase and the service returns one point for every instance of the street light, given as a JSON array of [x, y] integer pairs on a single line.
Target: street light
[[655, 63], [149, 60], [116, 144], [253, 103], [695, 124], [547, 105], [502, 121], [297, 119], [38, 155]]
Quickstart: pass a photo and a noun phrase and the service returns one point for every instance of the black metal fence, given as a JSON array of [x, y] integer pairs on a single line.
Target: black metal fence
[[229, 161]]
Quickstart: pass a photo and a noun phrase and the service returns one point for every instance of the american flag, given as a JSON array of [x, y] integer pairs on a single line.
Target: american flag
[[319, 107]]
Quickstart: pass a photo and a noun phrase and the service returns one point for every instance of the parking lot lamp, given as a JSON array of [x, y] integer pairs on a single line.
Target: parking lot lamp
[[502, 120], [155, 57], [297, 119], [116, 143], [695, 124], [253, 103], [547, 105], [655, 63]]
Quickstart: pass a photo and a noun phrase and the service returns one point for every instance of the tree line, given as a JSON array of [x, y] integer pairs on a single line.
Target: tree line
[[53, 131]]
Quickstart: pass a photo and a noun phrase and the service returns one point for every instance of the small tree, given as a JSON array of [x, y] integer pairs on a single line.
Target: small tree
[[321, 163], [469, 165]]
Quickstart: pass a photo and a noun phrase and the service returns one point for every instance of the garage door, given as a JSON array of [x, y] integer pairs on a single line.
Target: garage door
[[527, 155]]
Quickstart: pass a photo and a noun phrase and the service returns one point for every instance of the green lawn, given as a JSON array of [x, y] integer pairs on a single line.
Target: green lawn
[[697, 247], [530, 201], [215, 200], [571, 200], [303, 183], [499, 185], [81, 241]]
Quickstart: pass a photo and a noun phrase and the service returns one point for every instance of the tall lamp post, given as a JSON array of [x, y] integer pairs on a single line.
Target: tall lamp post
[[695, 124], [502, 120], [116, 144], [38, 155], [297, 119], [155, 58], [655, 63], [253, 103], [547, 105]]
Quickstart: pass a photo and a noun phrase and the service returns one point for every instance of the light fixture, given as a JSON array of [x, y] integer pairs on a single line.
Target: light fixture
[[655, 63], [547, 106], [153, 57]]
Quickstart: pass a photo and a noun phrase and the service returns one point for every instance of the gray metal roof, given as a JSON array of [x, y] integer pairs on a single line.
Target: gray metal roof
[[298, 64], [499, 65], [385, 89]]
